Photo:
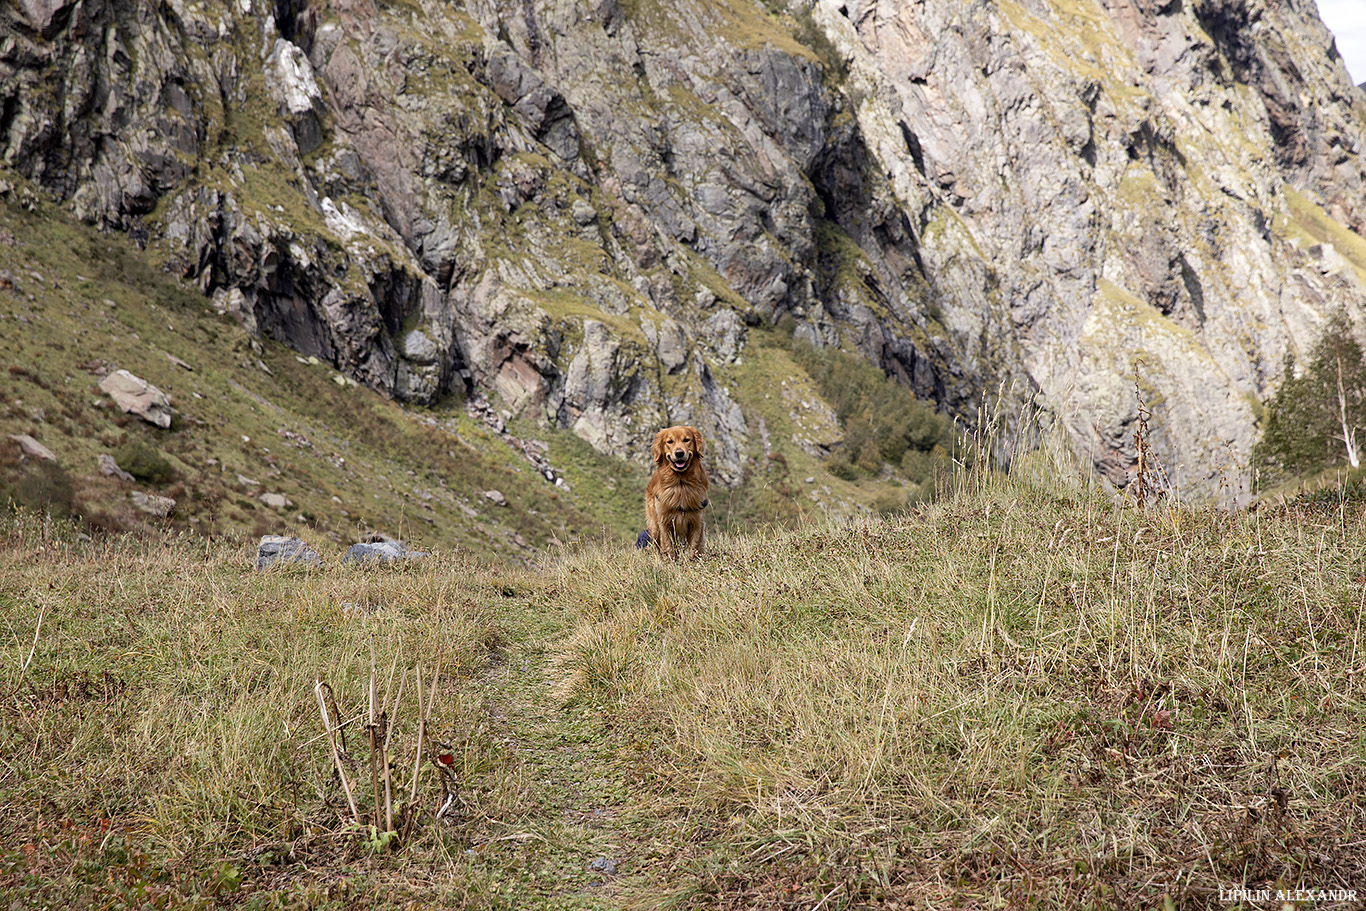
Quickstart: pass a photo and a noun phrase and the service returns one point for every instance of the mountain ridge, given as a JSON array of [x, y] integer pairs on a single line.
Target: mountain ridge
[[583, 212]]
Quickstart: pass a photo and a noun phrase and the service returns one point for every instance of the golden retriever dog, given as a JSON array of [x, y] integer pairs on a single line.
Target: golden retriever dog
[[677, 492]]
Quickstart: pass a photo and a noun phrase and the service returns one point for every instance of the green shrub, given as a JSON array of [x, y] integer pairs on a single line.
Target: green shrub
[[839, 467], [144, 463], [883, 420]]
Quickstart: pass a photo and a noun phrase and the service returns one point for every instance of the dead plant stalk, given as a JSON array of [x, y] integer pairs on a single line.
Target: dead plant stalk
[[318, 686]]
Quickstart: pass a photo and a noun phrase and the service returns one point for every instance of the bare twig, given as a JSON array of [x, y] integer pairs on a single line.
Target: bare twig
[[318, 687], [424, 713], [341, 726], [421, 730], [820, 904], [388, 738], [371, 729], [336, 713]]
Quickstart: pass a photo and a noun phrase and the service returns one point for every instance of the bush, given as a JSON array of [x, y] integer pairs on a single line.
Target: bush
[[839, 467], [143, 462]]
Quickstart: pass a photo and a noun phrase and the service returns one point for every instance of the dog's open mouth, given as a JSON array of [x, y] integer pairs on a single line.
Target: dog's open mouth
[[680, 464]]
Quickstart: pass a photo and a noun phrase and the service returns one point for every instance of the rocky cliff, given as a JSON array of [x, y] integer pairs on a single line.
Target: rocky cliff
[[581, 208]]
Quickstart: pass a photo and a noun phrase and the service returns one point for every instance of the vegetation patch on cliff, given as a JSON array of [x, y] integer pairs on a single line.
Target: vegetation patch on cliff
[[1308, 221]]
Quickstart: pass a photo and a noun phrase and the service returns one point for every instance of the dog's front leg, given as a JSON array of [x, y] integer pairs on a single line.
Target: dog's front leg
[[667, 539], [695, 536]]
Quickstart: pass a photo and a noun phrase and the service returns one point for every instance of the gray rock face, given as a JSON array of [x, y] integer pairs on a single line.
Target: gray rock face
[[583, 210]]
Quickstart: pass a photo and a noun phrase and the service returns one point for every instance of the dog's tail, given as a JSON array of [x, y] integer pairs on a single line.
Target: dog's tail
[[643, 540]]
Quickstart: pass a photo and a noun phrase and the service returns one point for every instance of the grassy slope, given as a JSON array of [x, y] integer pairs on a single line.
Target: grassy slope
[[252, 418], [1020, 697], [358, 463]]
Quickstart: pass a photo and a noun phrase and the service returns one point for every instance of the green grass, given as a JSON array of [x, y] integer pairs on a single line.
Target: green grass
[[1021, 696]]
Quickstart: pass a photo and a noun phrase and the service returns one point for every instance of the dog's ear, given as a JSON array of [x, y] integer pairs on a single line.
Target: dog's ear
[[701, 448], [657, 448]]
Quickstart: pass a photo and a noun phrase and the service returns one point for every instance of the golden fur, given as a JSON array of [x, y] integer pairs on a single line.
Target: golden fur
[[675, 495]]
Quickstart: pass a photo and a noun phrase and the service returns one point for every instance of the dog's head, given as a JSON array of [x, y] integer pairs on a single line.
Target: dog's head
[[677, 446]]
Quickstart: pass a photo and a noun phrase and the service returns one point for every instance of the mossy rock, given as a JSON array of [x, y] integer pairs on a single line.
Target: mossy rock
[[144, 462]]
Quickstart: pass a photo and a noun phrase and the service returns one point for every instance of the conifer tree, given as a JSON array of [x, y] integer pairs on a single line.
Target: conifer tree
[[1318, 418]]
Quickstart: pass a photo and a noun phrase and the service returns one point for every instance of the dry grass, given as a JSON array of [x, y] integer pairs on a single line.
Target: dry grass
[[1023, 696], [164, 744]]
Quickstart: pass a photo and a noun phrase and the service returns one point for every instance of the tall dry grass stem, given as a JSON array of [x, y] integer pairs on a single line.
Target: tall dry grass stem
[[318, 689], [33, 649]]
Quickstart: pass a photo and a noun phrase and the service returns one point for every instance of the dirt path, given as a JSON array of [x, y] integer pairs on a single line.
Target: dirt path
[[547, 818]]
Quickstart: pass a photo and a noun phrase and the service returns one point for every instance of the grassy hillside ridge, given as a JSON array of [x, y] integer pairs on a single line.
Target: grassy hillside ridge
[[1020, 697], [254, 418]]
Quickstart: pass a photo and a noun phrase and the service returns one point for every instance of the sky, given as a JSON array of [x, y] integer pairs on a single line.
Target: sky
[[1347, 20]]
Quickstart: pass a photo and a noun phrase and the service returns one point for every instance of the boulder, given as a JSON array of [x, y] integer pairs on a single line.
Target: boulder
[[284, 549], [152, 504], [275, 500], [137, 396], [496, 497], [110, 468], [380, 552], [419, 348], [32, 448]]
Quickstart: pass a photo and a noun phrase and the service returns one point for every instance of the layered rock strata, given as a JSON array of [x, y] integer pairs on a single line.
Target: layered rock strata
[[583, 210]]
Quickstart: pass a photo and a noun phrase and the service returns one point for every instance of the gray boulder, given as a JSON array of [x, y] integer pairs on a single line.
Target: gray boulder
[[32, 448], [380, 552], [284, 549], [153, 505], [110, 468], [137, 396]]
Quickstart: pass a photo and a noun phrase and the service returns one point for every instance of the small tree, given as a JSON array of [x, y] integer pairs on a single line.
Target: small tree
[[1313, 419]]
